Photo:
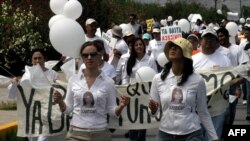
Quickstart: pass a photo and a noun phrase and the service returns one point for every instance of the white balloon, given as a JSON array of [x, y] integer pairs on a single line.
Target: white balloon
[[242, 20], [57, 6], [145, 74], [72, 9], [190, 17], [54, 19], [163, 22], [125, 28], [232, 28], [67, 37], [219, 11], [162, 59], [185, 25]]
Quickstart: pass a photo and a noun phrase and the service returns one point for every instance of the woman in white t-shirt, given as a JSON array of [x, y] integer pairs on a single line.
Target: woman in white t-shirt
[[185, 110], [89, 121], [137, 59]]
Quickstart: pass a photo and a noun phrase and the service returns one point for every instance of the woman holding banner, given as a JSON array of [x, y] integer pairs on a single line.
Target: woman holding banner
[[137, 59], [38, 57], [182, 120], [89, 123]]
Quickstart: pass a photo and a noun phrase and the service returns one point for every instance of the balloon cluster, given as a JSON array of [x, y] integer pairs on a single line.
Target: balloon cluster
[[66, 35]]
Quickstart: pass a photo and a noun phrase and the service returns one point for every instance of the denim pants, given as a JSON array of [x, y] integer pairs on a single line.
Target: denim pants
[[218, 122], [137, 135], [194, 136], [244, 89], [248, 97]]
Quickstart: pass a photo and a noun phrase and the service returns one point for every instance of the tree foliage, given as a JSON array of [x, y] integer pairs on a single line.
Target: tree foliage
[[24, 23], [18, 37]]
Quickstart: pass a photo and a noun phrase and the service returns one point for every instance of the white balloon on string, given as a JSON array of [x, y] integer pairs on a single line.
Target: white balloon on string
[[57, 6], [67, 37], [145, 74], [55, 18], [72, 9]]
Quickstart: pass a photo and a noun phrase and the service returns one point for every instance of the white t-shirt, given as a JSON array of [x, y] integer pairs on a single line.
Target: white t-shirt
[[145, 61], [225, 51], [217, 59], [239, 54], [135, 28], [186, 115], [120, 68], [103, 101], [156, 47]]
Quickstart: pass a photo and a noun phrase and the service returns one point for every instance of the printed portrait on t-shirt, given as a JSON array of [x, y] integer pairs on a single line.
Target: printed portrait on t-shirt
[[177, 99], [88, 106], [88, 100], [177, 96]]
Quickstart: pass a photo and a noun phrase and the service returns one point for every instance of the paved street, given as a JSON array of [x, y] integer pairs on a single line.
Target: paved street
[[118, 135]]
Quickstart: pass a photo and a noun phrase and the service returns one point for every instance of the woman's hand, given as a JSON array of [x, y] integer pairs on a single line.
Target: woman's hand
[[153, 106], [57, 97], [124, 101]]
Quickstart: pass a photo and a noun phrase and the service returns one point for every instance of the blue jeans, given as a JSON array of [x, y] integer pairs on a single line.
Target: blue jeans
[[248, 97], [194, 136], [244, 89], [137, 135], [218, 122]]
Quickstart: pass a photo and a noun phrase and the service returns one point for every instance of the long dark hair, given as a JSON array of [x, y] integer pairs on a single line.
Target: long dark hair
[[132, 58], [187, 70]]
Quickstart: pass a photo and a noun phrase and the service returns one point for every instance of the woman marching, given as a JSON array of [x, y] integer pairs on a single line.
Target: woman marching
[[90, 96], [181, 120]]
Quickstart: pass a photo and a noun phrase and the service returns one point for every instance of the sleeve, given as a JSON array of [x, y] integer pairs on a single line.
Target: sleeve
[[55, 75], [243, 57], [203, 111], [154, 93], [112, 72], [152, 64], [125, 76], [118, 72], [12, 90], [69, 100], [111, 100], [150, 45]]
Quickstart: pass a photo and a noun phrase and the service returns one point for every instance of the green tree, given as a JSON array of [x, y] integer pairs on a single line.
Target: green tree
[[18, 36]]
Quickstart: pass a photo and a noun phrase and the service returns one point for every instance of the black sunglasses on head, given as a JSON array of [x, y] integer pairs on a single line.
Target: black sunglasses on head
[[91, 54]]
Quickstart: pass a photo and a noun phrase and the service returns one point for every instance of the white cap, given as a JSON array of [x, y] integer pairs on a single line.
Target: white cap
[[90, 21], [209, 31], [156, 30]]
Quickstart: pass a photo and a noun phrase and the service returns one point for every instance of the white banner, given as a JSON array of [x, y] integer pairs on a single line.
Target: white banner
[[37, 114]]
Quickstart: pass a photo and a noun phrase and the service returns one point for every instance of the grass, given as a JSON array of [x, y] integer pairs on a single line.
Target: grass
[[8, 105]]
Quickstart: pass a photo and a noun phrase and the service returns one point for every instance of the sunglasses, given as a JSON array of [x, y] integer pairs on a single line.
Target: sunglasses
[[92, 54]]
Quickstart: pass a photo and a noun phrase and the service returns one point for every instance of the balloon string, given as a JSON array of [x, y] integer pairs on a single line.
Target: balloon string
[[142, 82], [7, 71]]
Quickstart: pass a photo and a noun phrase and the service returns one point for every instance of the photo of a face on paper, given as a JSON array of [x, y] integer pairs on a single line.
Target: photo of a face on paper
[[177, 96]]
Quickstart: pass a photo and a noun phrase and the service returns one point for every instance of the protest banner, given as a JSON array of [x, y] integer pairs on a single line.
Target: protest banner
[[170, 33], [36, 109], [149, 23]]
